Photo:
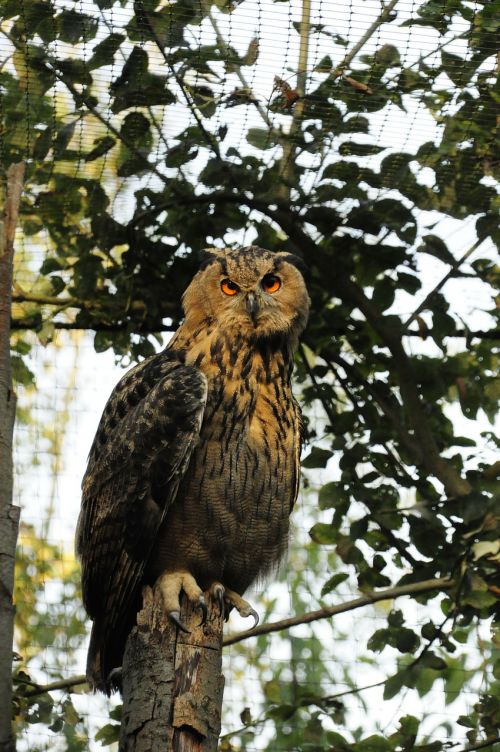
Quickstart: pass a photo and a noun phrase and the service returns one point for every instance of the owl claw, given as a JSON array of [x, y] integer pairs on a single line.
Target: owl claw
[[176, 618], [218, 595], [204, 610], [114, 680], [227, 599], [255, 616]]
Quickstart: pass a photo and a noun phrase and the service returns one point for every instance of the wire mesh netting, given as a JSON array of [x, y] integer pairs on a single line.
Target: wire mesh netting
[[121, 110]]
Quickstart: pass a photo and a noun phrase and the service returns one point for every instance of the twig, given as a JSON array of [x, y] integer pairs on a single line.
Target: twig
[[40, 689], [139, 5], [443, 281], [387, 9], [442, 583], [53, 300], [287, 162], [223, 44], [126, 326], [326, 406], [354, 691], [481, 745]]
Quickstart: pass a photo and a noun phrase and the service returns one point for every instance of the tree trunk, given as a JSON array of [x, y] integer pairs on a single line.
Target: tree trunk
[[172, 681], [9, 514]]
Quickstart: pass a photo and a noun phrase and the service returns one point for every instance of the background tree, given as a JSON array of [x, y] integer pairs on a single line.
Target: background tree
[[153, 131]]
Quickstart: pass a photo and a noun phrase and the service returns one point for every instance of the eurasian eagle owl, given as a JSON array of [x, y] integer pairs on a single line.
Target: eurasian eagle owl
[[194, 469]]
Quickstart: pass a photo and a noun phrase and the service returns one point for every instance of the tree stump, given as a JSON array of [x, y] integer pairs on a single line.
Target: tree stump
[[172, 682]]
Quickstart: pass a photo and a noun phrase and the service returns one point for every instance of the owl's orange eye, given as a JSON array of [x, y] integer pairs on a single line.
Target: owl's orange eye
[[228, 287], [271, 283]]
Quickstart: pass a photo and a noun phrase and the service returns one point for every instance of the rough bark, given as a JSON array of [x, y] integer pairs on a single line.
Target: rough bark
[[172, 681], [9, 514]]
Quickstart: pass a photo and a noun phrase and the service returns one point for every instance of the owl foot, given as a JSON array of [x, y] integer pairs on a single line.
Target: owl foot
[[227, 599], [170, 585]]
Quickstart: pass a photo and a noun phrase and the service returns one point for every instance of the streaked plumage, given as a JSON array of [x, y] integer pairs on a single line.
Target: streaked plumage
[[195, 465]]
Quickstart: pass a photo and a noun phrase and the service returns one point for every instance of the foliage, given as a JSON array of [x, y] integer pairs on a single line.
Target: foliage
[[413, 499], [46, 625]]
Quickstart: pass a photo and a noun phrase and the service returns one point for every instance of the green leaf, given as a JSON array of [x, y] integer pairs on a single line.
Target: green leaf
[[455, 67], [435, 246], [406, 640], [431, 660], [384, 294], [333, 581], [136, 86], [325, 65], [317, 457], [104, 52], [260, 138], [252, 53], [379, 640], [375, 743], [204, 99], [394, 684], [102, 146], [350, 149], [331, 494], [322, 533], [108, 734], [75, 27]]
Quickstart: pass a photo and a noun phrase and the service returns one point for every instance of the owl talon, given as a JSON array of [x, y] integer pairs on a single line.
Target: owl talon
[[204, 611], [170, 585], [227, 599], [255, 616], [114, 679], [176, 618], [217, 593]]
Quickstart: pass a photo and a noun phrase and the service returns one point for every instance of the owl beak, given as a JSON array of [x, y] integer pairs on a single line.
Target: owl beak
[[252, 306]]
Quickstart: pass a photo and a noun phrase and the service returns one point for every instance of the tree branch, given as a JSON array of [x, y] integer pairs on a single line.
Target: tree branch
[[481, 745], [443, 281], [442, 583], [53, 300], [130, 326], [414, 588], [382, 18], [223, 45], [211, 141], [40, 689]]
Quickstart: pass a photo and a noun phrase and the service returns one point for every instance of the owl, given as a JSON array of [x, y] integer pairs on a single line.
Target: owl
[[194, 468]]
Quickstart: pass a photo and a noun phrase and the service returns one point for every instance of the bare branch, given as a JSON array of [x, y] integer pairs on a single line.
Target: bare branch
[[481, 745], [443, 281], [223, 44], [382, 18], [442, 583], [40, 689], [97, 326]]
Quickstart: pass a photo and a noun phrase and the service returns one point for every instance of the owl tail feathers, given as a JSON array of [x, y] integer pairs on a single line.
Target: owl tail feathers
[[103, 670]]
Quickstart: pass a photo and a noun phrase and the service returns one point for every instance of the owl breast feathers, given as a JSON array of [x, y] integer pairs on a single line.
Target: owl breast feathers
[[194, 468]]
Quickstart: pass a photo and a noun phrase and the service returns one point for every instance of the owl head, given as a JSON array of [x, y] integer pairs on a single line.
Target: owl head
[[248, 291]]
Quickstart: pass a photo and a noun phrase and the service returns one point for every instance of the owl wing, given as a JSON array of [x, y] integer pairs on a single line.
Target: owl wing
[[298, 429], [143, 444]]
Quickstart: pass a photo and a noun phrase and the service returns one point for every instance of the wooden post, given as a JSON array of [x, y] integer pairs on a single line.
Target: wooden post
[[172, 681], [9, 514]]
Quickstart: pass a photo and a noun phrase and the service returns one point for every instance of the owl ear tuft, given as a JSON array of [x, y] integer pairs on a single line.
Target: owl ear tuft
[[208, 256], [297, 262]]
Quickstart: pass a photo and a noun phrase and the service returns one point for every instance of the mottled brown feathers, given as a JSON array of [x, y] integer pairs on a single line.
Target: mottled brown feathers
[[195, 463]]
